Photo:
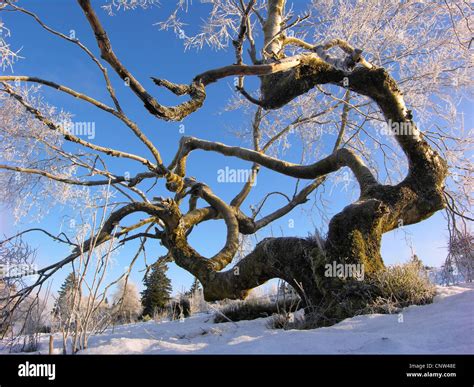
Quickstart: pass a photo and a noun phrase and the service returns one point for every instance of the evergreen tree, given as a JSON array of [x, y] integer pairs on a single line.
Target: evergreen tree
[[157, 289], [61, 305], [195, 287]]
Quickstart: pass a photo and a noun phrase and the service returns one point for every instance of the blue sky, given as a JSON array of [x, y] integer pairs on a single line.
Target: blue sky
[[147, 52]]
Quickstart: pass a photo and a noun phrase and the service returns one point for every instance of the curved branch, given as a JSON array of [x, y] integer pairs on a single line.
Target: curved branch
[[341, 157], [227, 253], [196, 90], [151, 104]]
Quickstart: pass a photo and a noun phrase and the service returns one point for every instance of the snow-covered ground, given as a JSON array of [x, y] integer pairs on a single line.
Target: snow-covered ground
[[444, 327]]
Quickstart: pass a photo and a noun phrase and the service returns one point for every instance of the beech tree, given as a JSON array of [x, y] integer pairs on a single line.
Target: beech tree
[[370, 73]]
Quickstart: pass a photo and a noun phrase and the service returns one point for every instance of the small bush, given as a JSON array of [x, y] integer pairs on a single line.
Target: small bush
[[286, 321], [44, 329], [278, 321], [160, 315], [179, 308], [185, 306], [197, 302], [255, 308], [30, 346], [400, 286]]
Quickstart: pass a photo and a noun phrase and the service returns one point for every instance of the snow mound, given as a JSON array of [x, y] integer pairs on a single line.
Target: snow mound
[[444, 327]]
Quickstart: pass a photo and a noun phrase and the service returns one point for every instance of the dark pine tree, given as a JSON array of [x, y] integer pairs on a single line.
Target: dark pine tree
[[196, 286], [157, 289], [64, 291]]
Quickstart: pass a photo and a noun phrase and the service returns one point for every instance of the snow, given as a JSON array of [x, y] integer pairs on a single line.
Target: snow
[[444, 327]]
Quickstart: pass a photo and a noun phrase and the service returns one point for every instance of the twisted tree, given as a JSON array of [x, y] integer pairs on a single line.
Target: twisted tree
[[336, 65]]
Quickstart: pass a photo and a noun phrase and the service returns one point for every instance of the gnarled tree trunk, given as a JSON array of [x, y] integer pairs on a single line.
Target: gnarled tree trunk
[[355, 233]]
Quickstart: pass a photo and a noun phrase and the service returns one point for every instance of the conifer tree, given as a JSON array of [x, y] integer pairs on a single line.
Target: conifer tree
[[157, 289], [61, 305], [196, 286]]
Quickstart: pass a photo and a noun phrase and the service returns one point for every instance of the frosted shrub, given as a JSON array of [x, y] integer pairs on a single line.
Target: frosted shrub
[[400, 286]]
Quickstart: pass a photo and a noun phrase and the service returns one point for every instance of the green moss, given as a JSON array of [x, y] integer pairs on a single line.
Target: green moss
[[366, 251]]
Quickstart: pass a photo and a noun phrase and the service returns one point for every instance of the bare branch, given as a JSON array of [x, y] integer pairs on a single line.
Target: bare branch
[[110, 89], [92, 101], [340, 158], [70, 137]]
